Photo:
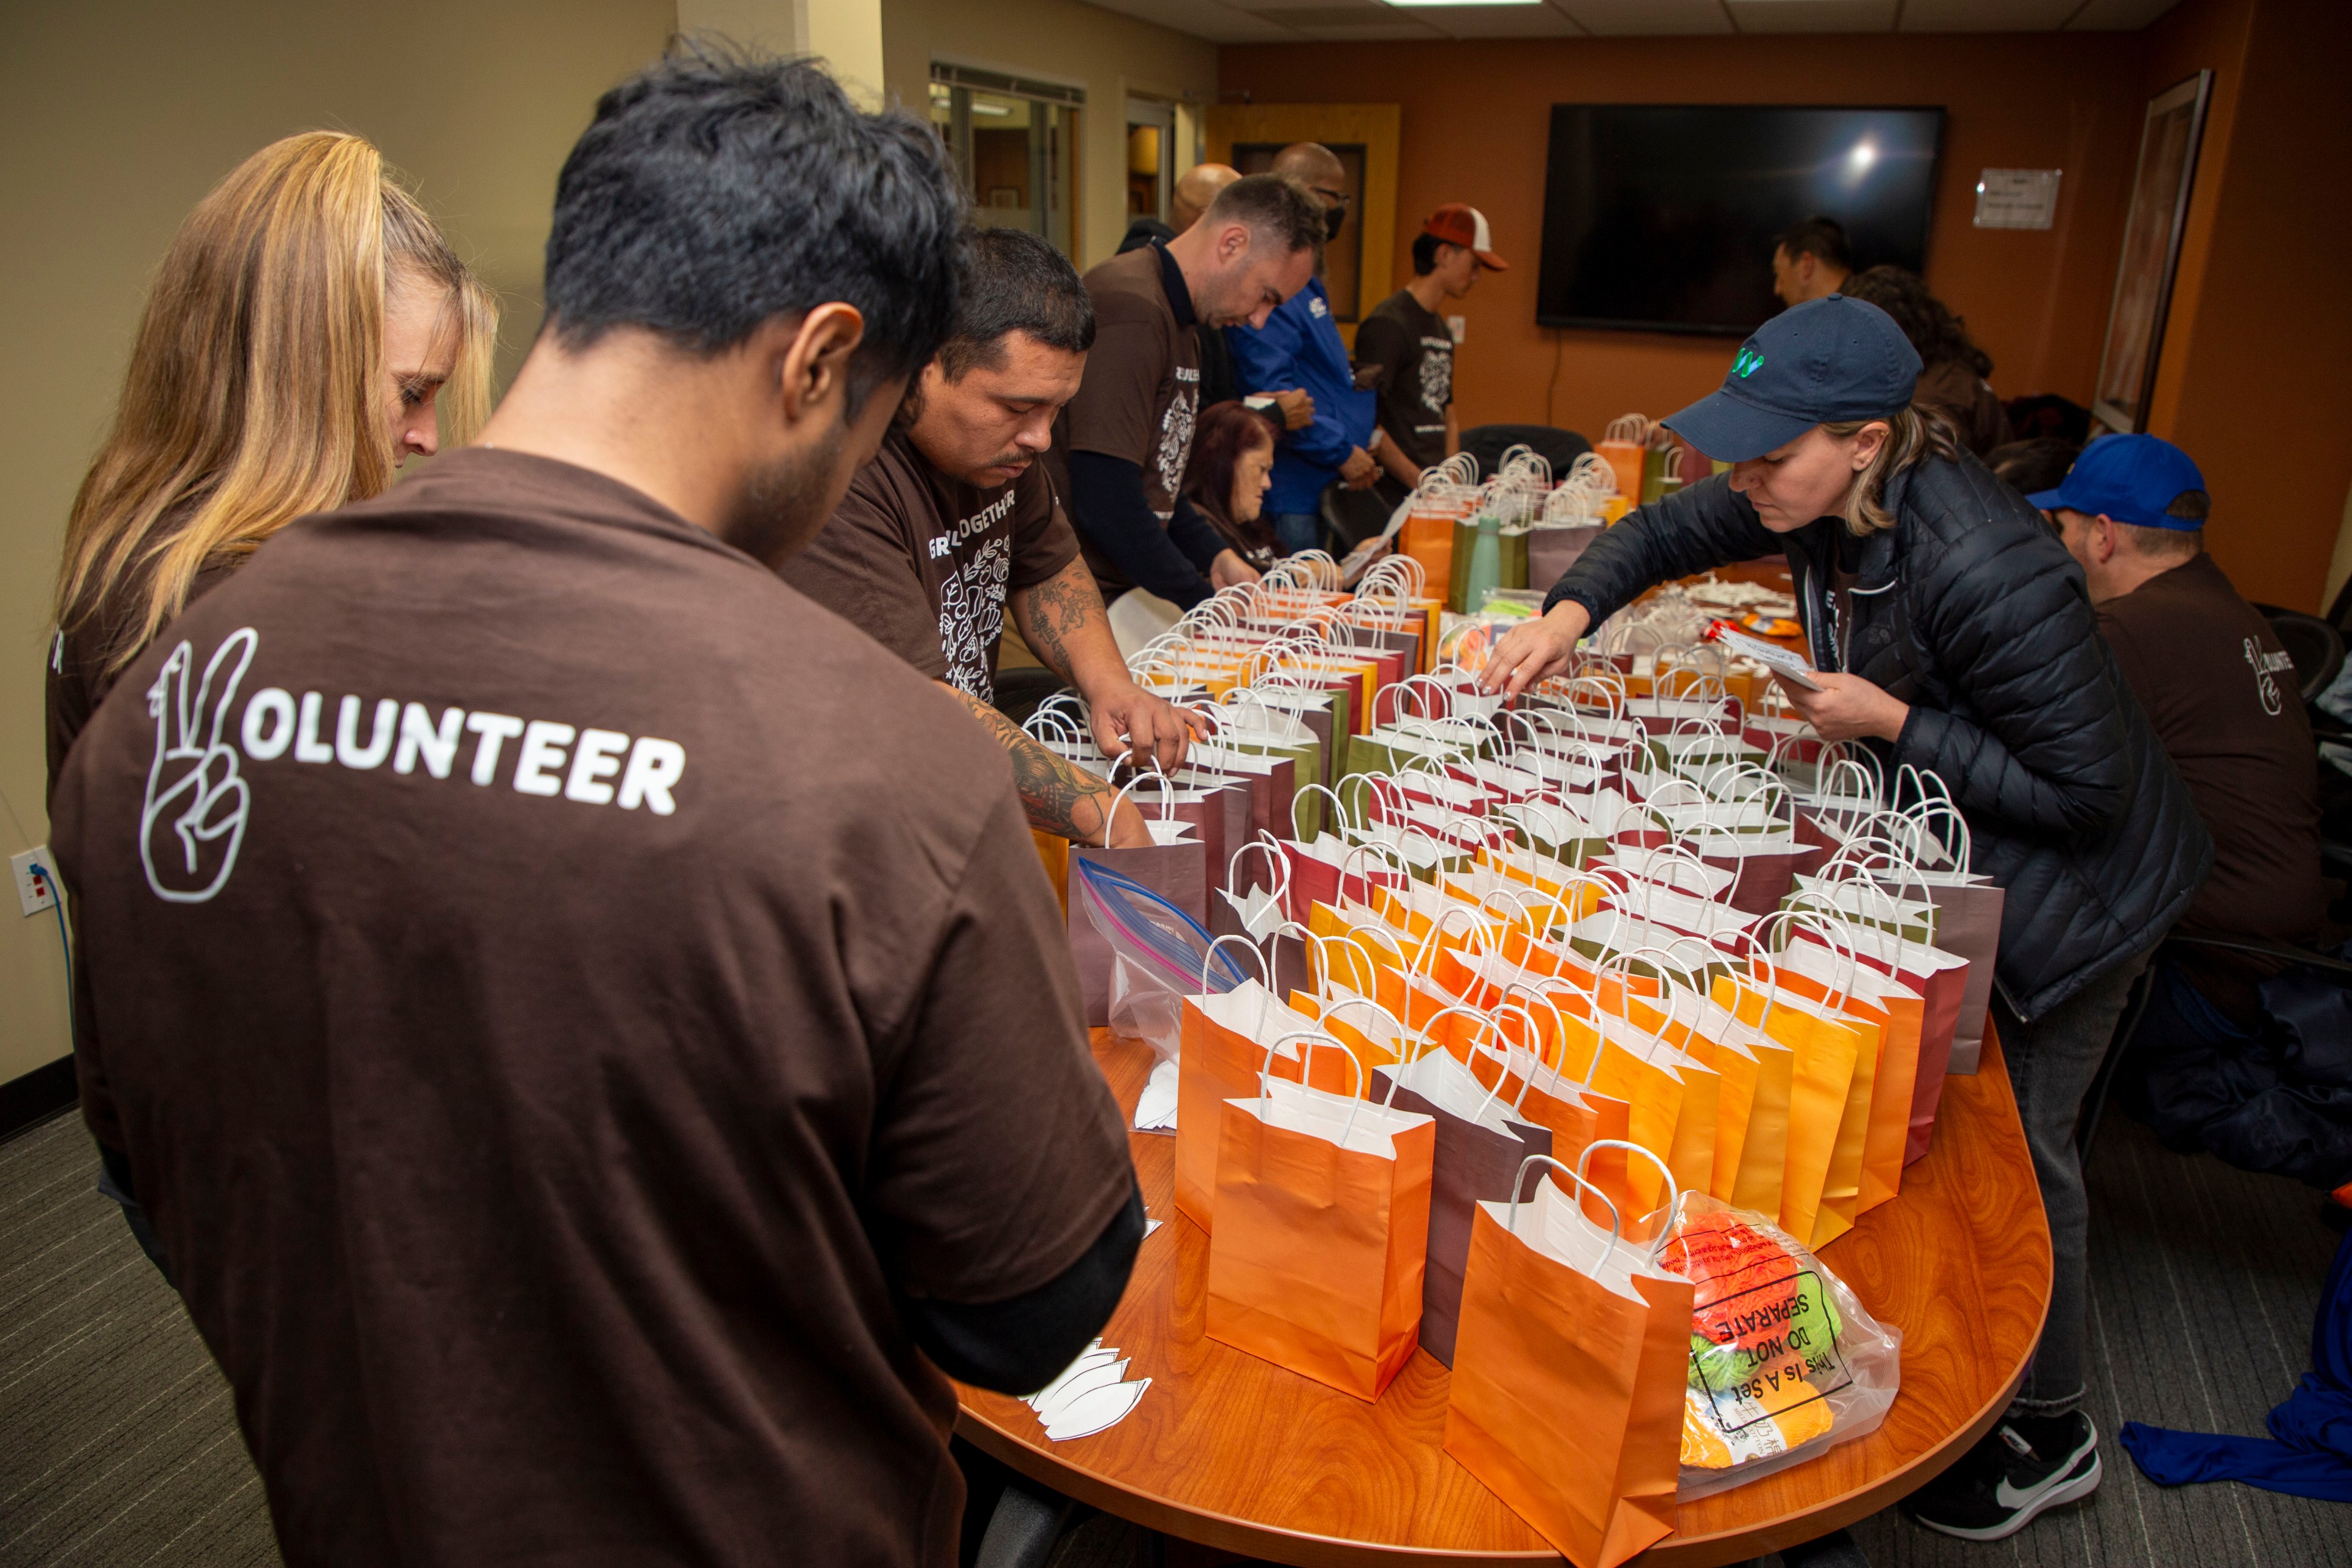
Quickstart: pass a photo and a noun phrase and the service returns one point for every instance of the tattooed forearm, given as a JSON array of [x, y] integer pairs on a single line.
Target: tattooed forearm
[[1059, 796], [1062, 621]]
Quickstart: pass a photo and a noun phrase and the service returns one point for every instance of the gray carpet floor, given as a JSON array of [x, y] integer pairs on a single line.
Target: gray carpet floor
[[119, 1446]]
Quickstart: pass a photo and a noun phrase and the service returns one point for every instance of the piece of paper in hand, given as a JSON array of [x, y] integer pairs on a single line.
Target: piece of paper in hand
[[1155, 1108], [1771, 656]]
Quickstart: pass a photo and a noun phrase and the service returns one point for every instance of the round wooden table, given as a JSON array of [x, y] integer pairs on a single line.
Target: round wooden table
[[1236, 1454]]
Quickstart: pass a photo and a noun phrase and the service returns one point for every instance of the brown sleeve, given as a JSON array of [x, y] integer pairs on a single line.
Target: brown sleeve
[[2133, 659], [1043, 540], [998, 1154], [1112, 411], [861, 567]]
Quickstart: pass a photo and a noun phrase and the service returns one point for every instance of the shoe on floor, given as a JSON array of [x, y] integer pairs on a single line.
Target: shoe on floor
[[2023, 1466]]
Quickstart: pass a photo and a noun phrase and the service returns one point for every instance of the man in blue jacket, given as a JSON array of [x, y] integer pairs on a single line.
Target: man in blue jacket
[[1300, 348]]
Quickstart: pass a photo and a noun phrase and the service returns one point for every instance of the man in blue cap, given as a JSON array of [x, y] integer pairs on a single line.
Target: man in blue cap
[[2224, 697]]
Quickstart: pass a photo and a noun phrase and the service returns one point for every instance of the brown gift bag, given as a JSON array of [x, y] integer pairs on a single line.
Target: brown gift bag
[[1322, 1205], [1566, 1395]]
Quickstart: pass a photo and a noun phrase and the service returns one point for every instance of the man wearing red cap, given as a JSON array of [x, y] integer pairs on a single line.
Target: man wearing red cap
[[1405, 350]]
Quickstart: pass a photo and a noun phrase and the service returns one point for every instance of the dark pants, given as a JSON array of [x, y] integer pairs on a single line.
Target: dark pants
[[114, 1180], [2052, 1061]]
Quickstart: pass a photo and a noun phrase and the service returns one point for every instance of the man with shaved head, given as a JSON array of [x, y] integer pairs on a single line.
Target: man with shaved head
[[1196, 187], [1299, 347]]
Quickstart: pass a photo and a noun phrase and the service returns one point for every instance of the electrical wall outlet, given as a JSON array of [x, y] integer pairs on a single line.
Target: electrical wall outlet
[[36, 890]]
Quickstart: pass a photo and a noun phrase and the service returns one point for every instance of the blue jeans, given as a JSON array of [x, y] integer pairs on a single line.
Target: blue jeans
[[1298, 531]]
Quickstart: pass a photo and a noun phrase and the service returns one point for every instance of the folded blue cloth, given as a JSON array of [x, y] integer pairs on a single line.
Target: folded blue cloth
[[2311, 1454]]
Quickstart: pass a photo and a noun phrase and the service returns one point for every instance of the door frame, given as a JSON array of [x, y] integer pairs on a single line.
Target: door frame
[[1375, 127]]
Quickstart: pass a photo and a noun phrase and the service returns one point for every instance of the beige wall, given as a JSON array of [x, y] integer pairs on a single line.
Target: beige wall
[[115, 117], [1109, 54]]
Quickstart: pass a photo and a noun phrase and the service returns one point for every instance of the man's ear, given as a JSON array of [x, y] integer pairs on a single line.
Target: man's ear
[[2104, 539], [1233, 242], [811, 363]]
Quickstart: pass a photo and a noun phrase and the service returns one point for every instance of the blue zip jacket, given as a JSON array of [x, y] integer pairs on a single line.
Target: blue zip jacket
[[1299, 348]]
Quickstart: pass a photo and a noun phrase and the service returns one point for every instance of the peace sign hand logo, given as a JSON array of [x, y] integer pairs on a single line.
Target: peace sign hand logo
[[193, 821]]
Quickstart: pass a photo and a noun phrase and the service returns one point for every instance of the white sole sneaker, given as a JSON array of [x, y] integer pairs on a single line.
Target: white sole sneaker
[[2066, 1486]]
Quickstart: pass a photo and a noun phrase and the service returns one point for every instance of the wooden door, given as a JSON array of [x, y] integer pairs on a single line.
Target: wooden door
[[1360, 265]]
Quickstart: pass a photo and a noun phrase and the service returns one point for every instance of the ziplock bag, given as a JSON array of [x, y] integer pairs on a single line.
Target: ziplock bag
[[1156, 953]]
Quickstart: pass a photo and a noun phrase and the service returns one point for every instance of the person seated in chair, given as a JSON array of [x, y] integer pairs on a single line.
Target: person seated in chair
[[2227, 704]]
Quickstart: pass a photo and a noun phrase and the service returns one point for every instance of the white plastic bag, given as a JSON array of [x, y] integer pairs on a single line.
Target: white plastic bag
[[1785, 1363]]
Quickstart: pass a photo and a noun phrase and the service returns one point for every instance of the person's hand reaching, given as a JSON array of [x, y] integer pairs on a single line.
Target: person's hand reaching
[[1535, 650], [1359, 471], [1847, 708], [1229, 569], [1131, 722]]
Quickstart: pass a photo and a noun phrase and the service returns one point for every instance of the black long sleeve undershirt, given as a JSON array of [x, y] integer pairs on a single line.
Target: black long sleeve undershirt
[[1107, 506], [1016, 1346]]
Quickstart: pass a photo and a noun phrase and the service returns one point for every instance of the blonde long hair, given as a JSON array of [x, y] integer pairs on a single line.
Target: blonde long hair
[[1914, 434], [256, 391]]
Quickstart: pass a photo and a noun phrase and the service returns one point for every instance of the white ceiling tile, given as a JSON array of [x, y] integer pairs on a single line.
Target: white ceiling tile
[[1987, 16], [1648, 18], [2123, 15], [1499, 21], [1812, 15], [1207, 19]]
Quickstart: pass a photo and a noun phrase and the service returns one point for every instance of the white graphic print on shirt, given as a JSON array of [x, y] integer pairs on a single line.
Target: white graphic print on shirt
[[1176, 433], [971, 617], [1436, 374], [193, 821]]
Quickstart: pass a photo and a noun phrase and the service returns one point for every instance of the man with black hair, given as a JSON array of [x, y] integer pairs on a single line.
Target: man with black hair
[[594, 1036], [1405, 350], [1809, 260], [1125, 437], [956, 521]]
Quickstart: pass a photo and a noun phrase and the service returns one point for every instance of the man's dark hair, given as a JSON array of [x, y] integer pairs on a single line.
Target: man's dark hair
[[1822, 237], [2029, 467], [1279, 208], [1015, 282], [715, 190], [1424, 254], [1941, 336]]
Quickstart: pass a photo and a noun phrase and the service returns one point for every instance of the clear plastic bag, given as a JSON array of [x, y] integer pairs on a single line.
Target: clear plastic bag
[[1159, 954], [1785, 1364]]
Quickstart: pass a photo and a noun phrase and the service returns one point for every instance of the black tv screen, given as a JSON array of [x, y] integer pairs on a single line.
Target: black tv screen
[[1662, 218]]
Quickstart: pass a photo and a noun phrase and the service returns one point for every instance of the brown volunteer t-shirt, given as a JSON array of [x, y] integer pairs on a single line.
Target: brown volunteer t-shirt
[[2223, 696], [1142, 386], [1409, 349], [599, 981], [1973, 408], [922, 563]]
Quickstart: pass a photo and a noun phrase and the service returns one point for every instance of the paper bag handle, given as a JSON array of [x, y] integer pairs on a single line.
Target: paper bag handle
[[1511, 1222], [1674, 1193]]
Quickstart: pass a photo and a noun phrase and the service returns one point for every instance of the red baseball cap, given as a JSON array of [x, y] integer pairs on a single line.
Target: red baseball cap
[[1456, 223]]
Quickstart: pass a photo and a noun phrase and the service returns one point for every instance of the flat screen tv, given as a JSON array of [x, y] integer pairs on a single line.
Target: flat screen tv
[[1661, 218]]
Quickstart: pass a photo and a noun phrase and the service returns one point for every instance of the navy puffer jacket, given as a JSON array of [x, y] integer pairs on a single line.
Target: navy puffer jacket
[[1969, 610]]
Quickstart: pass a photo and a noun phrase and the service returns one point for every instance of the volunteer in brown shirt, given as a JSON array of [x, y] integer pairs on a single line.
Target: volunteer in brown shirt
[[1126, 435], [591, 1029], [957, 522], [1405, 350], [2221, 691]]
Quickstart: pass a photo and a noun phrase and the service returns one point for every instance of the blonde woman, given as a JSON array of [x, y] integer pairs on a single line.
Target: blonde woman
[[309, 330]]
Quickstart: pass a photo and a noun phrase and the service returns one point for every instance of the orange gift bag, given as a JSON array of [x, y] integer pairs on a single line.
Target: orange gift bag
[[1567, 1394], [1224, 1036], [1322, 1237]]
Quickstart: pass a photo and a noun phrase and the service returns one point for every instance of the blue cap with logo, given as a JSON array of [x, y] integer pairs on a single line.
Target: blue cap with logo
[[1826, 360], [2131, 479]]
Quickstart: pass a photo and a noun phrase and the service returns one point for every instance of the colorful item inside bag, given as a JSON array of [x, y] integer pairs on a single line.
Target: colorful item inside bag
[[1785, 1363]]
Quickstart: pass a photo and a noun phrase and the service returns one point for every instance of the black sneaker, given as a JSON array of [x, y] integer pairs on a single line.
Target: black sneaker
[[2024, 1465]]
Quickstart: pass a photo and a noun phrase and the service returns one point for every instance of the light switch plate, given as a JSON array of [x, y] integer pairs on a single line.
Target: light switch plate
[[34, 894]]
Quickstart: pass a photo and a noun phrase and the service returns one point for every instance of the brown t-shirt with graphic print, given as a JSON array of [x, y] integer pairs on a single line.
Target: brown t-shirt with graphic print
[[922, 563], [1141, 391], [561, 989], [2227, 705]]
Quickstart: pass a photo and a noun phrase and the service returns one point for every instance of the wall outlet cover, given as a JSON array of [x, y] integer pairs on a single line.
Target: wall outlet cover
[[34, 894]]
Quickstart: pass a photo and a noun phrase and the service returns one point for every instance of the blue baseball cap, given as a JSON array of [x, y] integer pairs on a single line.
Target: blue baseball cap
[[1828, 359], [2131, 479]]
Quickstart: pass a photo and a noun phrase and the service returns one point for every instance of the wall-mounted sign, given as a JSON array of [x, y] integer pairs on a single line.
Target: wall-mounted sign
[[2017, 198]]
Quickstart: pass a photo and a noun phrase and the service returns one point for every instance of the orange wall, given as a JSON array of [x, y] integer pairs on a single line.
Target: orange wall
[[2257, 354], [1477, 117]]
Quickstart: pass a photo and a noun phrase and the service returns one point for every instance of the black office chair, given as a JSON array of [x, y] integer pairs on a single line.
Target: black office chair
[[1350, 517], [1487, 443], [2317, 648]]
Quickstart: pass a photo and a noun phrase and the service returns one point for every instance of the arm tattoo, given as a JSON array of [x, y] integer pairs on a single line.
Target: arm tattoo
[[1059, 796], [1060, 606]]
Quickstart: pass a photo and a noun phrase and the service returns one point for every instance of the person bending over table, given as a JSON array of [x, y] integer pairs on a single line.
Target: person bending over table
[[593, 1034], [956, 519], [1126, 435], [1954, 634]]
